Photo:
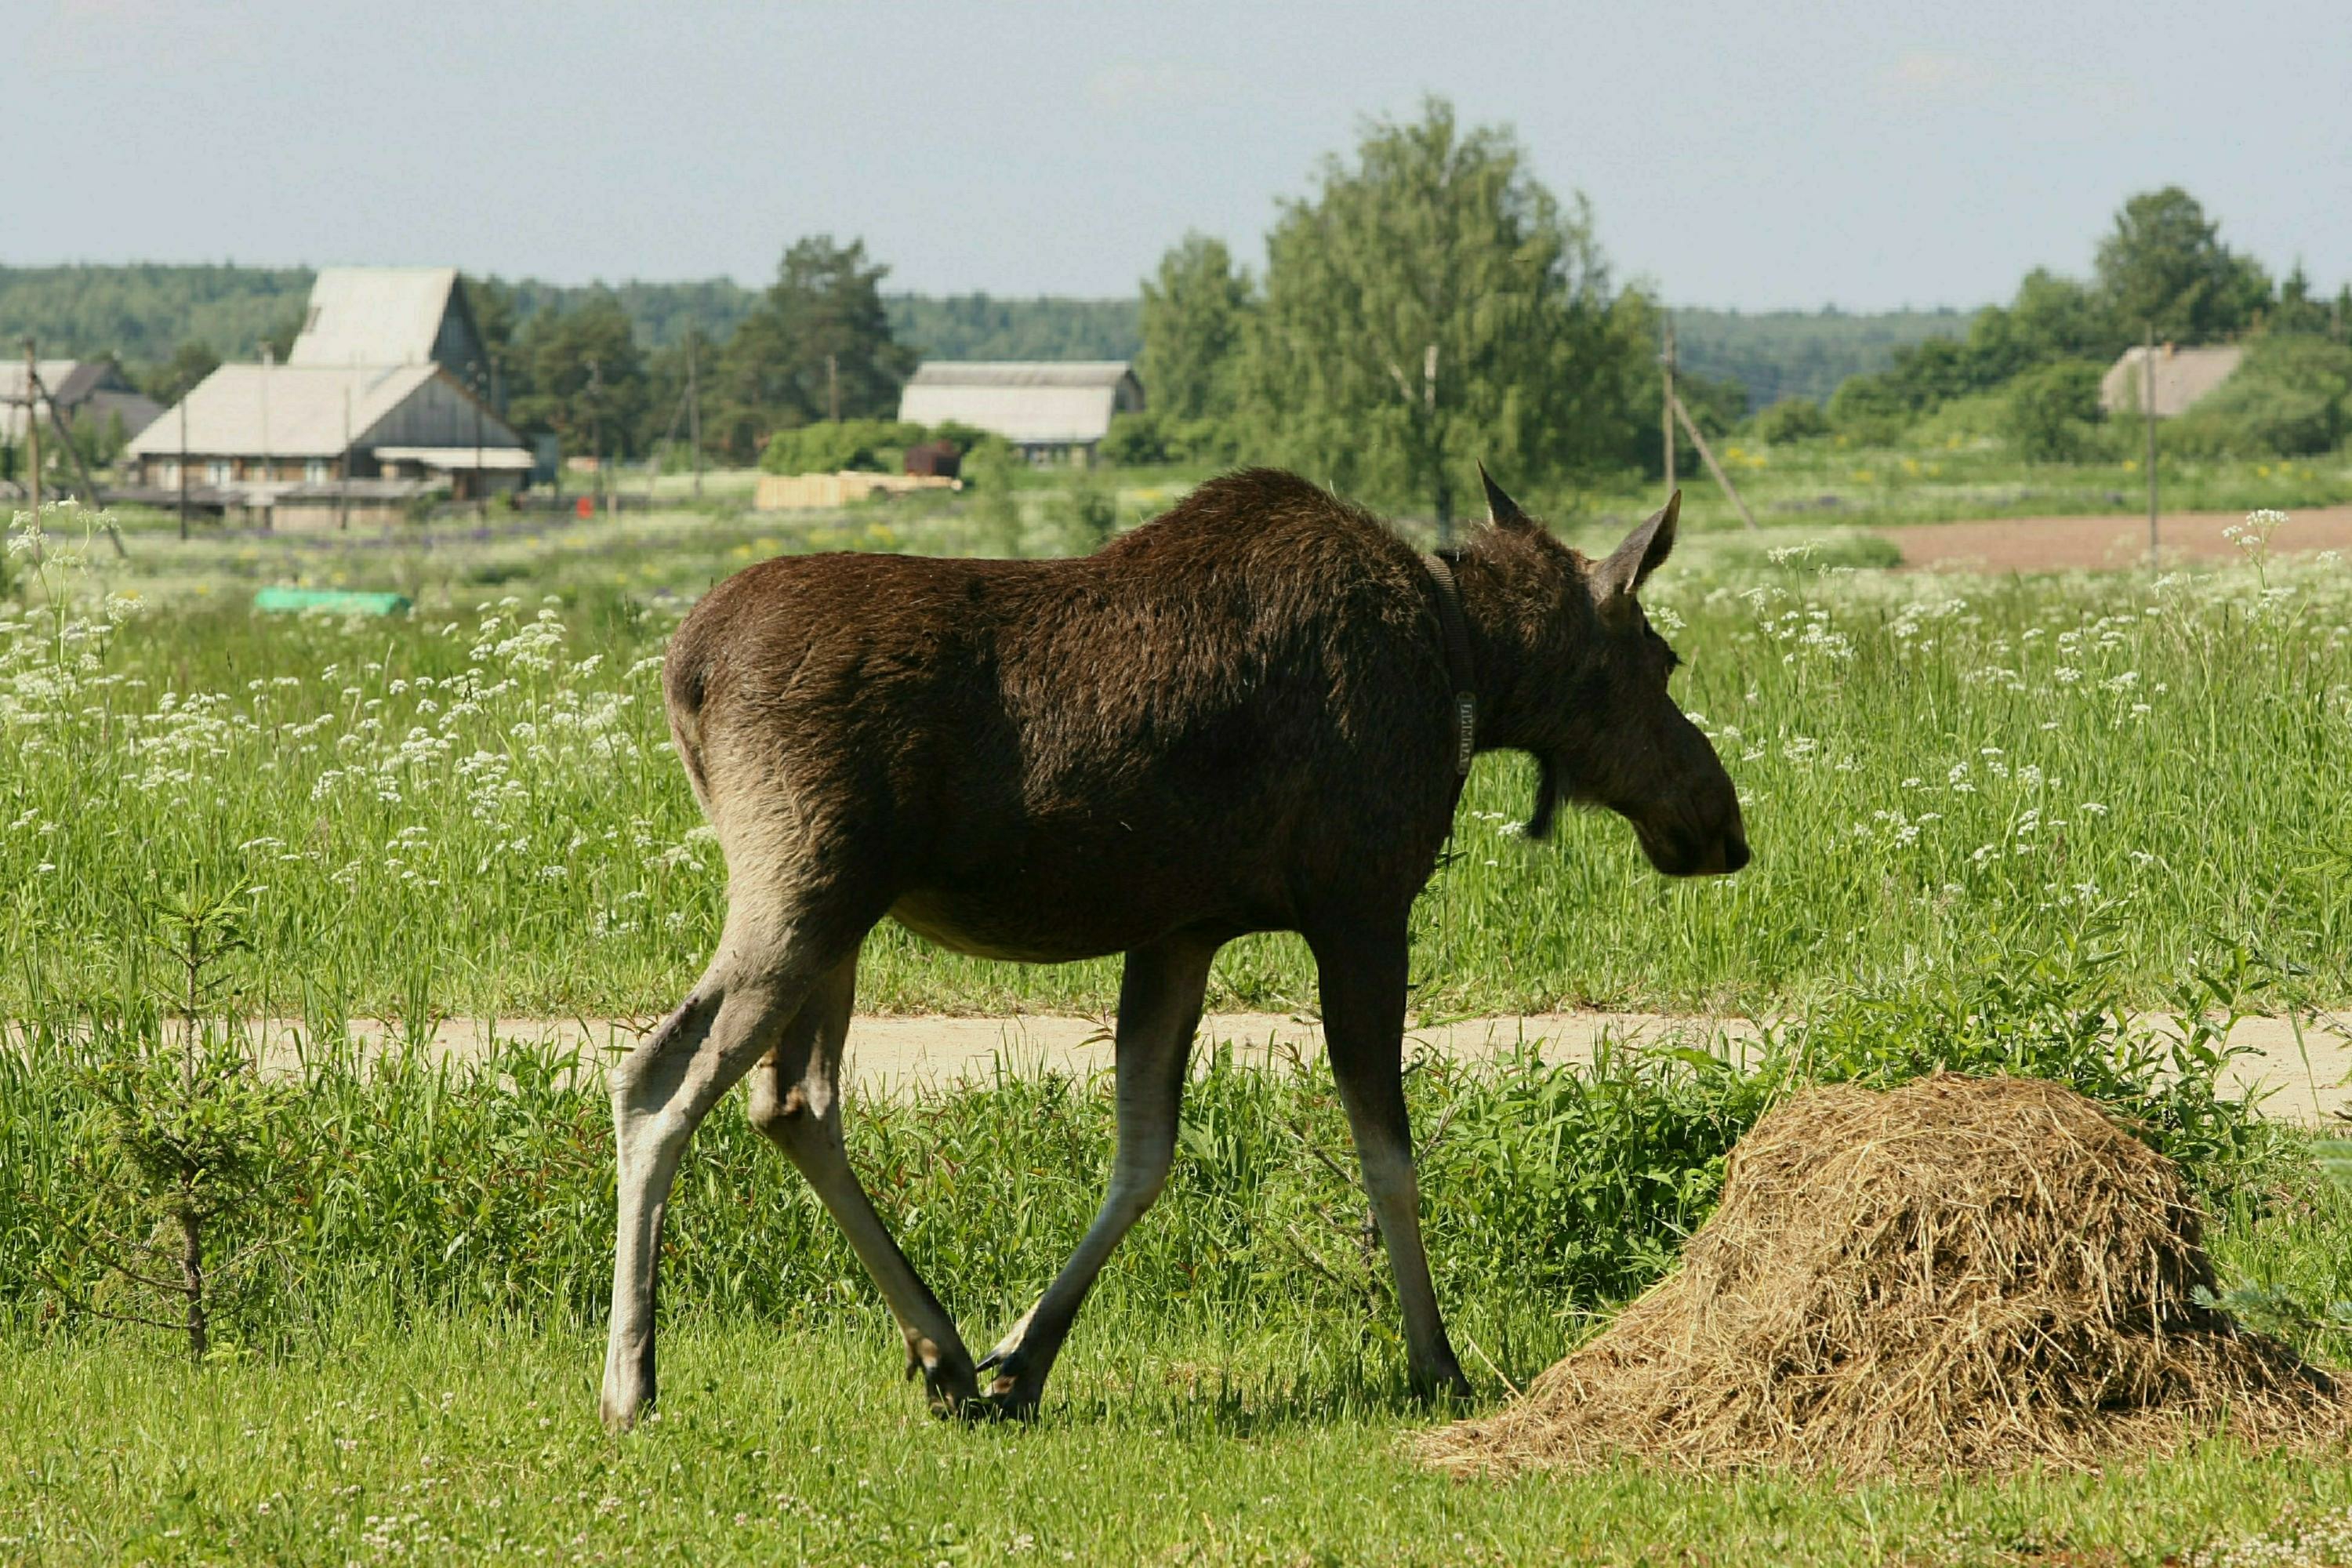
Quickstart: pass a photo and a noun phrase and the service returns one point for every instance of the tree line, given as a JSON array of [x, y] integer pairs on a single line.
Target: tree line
[[2030, 369], [1427, 303]]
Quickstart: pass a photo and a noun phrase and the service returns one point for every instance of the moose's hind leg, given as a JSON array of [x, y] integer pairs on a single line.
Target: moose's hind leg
[[796, 1103], [661, 1092]]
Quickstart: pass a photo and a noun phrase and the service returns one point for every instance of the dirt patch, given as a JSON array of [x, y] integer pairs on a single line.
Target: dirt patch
[[1979, 1274], [2094, 543], [2306, 1069]]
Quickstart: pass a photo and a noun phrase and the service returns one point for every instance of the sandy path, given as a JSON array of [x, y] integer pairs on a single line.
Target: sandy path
[[2309, 1074], [2060, 543]]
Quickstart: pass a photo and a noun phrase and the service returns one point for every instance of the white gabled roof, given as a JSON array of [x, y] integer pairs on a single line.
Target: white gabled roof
[[297, 411], [374, 315], [1043, 403]]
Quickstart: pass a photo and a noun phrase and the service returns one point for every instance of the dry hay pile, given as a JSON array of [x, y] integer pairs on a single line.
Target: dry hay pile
[[1959, 1273]]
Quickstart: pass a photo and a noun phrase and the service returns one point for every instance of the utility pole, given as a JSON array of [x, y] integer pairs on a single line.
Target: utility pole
[[694, 411], [32, 432], [481, 489], [1667, 360], [1707, 455], [268, 467], [596, 427], [182, 469], [2148, 408], [1443, 495], [343, 469], [833, 385], [81, 467]]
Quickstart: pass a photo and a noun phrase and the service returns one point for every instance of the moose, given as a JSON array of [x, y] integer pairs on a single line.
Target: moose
[[1252, 713]]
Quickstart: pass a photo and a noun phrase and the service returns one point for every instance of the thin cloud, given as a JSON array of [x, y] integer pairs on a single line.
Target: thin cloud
[[1157, 84], [1927, 74]]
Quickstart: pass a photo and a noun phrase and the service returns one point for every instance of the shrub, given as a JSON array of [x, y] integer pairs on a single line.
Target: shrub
[[962, 435], [1867, 410], [2291, 398], [1790, 419], [1087, 514], [1136, 440], [2050, 411], [827, 447], [1977, 415], [1140, 440]]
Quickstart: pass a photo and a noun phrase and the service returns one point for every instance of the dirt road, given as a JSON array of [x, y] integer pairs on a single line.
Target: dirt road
[[2305, 1070], [2063, 543]]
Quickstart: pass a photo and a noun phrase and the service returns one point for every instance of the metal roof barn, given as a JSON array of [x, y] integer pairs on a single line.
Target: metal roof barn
[[2183, 377], [1033, 404]]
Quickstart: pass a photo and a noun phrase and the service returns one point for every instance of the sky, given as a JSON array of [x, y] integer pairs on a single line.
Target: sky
[[1757, 156]]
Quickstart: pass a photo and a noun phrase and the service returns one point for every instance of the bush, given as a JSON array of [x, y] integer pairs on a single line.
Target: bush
[[1790, 419], [1136, 440], [2050, 411], [1087, 514], [1866, 410], [1977, 415], [830, 448], [963, 436], [2291, 398]]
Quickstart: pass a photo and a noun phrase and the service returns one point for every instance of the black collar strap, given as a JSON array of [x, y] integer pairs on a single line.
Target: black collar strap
[[1457, 662]]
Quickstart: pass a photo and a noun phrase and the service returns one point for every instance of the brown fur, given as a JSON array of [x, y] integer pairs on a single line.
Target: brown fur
[[1234, 719]]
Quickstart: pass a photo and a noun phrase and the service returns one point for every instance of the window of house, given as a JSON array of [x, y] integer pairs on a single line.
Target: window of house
[[318, 471], [219, 471]]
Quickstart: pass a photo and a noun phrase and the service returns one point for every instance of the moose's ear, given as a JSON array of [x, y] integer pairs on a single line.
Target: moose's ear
[[1501, 509], [1630, 565]]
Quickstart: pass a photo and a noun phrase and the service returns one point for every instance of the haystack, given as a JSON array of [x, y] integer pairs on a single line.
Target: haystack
[[1961, 1273]]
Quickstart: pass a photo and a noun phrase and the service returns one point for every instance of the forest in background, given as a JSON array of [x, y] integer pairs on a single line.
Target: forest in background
[[1335, 357], [142, 313]]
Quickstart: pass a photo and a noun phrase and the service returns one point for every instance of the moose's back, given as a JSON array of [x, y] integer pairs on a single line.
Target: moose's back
[[1218, 720]]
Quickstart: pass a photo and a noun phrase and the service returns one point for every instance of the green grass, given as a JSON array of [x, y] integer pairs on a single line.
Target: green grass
[[1831, 482], [438, 1442], [1937, 771], [416, 1378]]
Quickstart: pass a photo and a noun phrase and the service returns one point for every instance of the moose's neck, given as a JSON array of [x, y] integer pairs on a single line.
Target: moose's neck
[[1527, 616]]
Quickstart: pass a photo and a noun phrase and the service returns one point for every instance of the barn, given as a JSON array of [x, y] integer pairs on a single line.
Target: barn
[[1053, 411], [393, 315], [263, 436], [2183, 377], [92, 391], [385, 399]]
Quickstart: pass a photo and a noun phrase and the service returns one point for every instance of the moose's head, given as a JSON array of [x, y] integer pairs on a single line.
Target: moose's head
[[1576, 675]]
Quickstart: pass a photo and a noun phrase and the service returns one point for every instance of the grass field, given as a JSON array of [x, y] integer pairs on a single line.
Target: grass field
[[411, 1374], [1987, 814], [473, 1443], [474, 810]]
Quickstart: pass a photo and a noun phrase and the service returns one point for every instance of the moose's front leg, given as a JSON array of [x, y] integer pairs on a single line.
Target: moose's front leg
[[1159, 1010], [1362, 972]]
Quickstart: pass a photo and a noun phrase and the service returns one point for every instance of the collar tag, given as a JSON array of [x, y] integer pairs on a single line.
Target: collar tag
[[1466, 731]]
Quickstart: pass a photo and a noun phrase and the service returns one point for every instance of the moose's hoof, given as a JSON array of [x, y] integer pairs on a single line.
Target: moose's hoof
[[949, 1383], [620, 1410], [1447, 1387], [1013, 1392]]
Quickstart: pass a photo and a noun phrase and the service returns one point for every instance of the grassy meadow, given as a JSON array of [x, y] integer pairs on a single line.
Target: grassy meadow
[[1989, 813], [473, 810]]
